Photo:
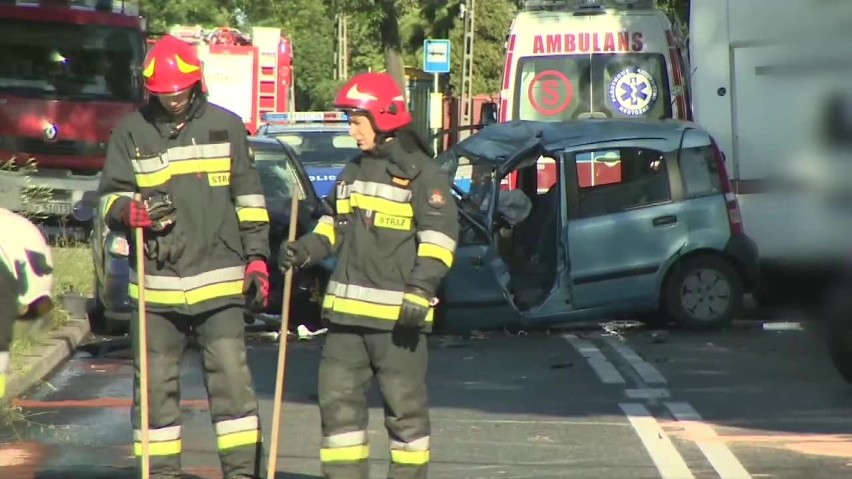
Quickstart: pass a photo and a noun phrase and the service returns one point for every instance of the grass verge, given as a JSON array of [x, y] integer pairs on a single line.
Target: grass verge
[[72, 271]]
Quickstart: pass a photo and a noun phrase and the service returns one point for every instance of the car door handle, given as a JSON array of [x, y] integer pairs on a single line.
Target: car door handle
[[477, 261], [664, 220]]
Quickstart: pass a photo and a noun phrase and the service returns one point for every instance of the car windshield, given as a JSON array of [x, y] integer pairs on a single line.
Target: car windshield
[[564, 87], [320, 147], [277, 178], [69, 61]]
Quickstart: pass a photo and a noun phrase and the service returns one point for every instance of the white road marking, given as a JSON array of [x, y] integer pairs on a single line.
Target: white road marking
[[648, 373], [599, 363], [666, 457], [647, 393], [717, 453]]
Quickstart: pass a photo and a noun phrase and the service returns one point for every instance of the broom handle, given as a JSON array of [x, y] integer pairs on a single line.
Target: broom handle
[[282, 345], [142, 333]]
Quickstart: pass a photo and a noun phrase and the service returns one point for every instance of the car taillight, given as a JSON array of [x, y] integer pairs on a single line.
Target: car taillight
[[118, 246], [735, 219]]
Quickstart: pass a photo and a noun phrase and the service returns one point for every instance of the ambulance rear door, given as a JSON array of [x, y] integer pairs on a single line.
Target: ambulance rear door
[[591, 65]]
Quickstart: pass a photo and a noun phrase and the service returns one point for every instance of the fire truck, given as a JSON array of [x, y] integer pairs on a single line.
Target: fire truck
[[70, 71], [251, 75]]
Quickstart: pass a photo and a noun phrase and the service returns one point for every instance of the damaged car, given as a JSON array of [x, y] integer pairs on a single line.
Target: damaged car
[[659, 237]]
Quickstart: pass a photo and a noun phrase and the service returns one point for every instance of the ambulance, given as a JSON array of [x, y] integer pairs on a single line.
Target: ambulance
[[575, 59]]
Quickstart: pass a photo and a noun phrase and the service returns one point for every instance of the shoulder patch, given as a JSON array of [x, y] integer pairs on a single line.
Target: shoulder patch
[[400, 181], [436, 198]]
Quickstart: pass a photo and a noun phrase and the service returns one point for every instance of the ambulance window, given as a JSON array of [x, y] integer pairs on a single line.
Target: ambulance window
[[563, 87]]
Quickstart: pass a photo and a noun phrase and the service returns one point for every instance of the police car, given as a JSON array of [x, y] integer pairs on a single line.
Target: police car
[[321, 141]]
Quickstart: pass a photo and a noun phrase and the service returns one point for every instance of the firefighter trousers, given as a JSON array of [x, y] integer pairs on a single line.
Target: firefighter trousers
[[230, 391], [398, 359]]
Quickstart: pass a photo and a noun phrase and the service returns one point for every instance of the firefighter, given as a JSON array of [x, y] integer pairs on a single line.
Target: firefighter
[[394, 233], [26, 280], [206, 228]]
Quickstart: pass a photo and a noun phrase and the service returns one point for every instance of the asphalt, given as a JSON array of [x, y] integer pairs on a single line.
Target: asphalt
[[740, 404]]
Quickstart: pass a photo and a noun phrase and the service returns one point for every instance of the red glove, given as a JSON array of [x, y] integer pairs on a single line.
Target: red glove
[[136, 215], [257, 283]]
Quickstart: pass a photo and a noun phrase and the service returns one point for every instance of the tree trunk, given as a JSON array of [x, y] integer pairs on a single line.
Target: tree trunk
[[392, 44]]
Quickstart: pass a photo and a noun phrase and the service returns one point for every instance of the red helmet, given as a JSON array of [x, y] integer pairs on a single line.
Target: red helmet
[[378, 95], [171, 66]]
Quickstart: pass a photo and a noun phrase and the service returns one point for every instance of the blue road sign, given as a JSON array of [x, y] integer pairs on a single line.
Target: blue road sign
[[436, 56]]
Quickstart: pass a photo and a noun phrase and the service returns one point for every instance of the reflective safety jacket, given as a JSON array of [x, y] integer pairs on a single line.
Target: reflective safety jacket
[[221, 221], [396, 225]]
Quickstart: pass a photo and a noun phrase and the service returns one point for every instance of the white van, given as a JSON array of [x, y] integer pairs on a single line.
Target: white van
[[775, 93], [569, 59]]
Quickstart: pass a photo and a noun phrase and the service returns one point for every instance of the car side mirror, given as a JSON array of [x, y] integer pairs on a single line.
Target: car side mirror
[[488, 113]]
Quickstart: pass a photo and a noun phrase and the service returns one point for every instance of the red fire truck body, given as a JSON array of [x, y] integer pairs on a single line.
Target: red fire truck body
[[70, 71]]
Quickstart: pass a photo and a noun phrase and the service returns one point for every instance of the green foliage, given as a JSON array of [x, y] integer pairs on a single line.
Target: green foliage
[[32, 197], [381, 33]]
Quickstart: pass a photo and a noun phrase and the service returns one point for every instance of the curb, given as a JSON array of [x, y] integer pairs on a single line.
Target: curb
[[44, 358]]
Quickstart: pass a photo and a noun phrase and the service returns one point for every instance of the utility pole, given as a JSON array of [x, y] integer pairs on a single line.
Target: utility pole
[[468, 12], [341, 48]]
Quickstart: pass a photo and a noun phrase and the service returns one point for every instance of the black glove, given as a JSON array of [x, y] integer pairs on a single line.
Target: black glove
[[415, 308], [292, 255], [161, 211]]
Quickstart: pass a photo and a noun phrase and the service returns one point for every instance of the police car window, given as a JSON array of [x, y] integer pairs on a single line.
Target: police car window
[[615, 180], [344, 141], [562, 87]]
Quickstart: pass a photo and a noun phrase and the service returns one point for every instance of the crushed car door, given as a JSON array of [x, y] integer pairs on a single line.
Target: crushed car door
[[472, 295]]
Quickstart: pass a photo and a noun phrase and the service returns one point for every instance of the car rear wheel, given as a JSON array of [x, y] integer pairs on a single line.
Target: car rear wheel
[[99, 322], [703, 292]]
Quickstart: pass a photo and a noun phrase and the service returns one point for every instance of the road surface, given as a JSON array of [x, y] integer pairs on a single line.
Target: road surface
[[741, 404]]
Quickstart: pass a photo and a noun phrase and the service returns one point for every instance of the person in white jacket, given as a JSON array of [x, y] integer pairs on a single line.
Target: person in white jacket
[[26, 279]]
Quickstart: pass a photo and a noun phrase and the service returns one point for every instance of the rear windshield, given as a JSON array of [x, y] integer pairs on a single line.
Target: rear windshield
[[319, 147], [563, 87]]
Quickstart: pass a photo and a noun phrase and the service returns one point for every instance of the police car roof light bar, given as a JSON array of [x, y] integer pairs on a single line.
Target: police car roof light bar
[[573, 5], [305, 117]]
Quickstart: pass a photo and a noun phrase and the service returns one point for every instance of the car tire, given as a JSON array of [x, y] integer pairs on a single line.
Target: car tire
[[99, 322], [719, 295], [837, 319]]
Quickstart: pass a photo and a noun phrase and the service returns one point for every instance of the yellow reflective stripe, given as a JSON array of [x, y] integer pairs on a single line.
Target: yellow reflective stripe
[[345, 454], [259, 215], [2, 385], [195, 296], [238, 439], [413, 458], [107, 201], [186, 167], [165, 448], [363, 308], [327, 230], [416, 299], [428, 250], [380, 205], [343, 207]]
